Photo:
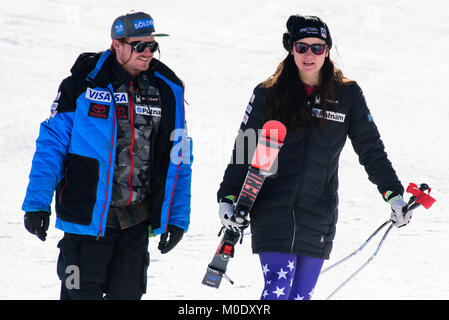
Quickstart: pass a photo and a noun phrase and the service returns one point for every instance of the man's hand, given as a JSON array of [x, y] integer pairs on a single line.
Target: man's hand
[[37, 223], [170, 239]]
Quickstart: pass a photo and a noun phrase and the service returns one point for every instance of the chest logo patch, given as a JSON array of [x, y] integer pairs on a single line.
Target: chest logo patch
[[98, 110], [330, 115], [148, 111], [122, 112]]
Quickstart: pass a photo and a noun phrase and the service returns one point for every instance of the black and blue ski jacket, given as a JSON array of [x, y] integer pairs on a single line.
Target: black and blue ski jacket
[[76, 149]]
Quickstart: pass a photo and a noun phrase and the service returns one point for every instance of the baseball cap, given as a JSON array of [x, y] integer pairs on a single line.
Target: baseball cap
[[134, 24]]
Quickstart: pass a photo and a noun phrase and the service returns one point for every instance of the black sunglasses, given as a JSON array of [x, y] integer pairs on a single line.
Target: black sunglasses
[[317, 48], [140, 46]]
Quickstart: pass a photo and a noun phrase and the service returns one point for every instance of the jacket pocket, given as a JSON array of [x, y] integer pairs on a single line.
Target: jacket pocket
[[76, 194]]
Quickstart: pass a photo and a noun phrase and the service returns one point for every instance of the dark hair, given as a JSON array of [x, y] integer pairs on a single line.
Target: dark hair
[[286, 97]]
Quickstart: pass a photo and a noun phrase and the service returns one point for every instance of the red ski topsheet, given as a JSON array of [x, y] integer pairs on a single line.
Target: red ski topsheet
[[270, 142]]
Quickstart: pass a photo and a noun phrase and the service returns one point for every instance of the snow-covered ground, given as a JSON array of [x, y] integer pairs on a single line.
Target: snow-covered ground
[[396, 50]]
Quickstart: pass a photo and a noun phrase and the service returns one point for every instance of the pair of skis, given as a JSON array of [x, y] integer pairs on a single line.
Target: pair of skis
[[262, 164]]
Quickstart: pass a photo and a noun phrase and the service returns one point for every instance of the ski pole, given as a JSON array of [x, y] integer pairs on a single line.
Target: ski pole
[[366, 263], [358, 249], [411, 205], [418, 198]]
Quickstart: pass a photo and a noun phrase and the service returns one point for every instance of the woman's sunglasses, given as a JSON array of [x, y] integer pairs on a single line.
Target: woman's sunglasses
[[317, 48], [140, 46]]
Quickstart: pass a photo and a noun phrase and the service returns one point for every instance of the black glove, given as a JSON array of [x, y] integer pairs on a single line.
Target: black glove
[[176, 234], [37, 223]]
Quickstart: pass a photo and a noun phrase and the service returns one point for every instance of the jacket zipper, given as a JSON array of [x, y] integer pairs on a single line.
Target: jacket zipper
[[110, 158], [132, 144], [294, 231], [64, 186]]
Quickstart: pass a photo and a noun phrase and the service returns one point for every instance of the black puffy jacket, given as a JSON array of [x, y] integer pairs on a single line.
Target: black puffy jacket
[[297, 209]]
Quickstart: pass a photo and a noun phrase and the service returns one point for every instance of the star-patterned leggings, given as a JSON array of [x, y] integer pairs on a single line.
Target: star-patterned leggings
[[289, 276]]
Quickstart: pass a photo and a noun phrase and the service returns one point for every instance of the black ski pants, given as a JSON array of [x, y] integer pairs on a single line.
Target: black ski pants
[[111, 267]]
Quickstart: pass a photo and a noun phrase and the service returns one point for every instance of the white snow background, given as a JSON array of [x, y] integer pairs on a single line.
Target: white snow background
[[396, 50]]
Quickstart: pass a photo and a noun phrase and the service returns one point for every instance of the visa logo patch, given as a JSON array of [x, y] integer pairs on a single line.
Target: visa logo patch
[[99, 96], [121, 97], [104, 96]]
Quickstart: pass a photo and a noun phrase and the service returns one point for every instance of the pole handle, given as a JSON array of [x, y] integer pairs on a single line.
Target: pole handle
[[419, 196]]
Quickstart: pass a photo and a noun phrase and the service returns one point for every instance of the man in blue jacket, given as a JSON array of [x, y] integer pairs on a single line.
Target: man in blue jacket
[[116, 151]]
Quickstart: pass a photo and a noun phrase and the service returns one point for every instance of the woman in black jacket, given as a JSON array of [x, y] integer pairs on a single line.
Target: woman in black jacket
[[293, 219]]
